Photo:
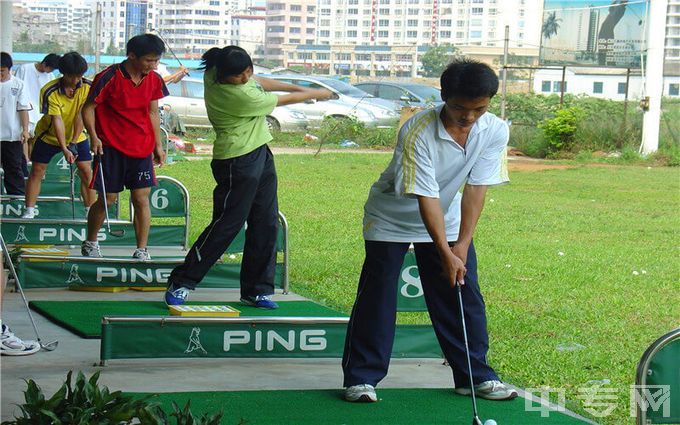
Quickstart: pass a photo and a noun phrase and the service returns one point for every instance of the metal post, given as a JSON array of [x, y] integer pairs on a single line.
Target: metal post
[[505, 70], [564, 72], [654, 76], [98, 37], [625, 108]]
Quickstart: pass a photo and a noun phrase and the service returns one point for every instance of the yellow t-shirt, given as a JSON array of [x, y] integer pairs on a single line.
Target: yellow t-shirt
[[54, 101]]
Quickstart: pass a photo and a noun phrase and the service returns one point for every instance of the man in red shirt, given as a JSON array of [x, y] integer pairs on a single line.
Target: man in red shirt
[[122, 118]]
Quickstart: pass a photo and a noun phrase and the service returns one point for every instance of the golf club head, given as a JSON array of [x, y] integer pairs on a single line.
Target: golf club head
[[49, 346], [476, 421]]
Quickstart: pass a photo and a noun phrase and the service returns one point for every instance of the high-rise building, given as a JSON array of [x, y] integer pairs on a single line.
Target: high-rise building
[[673, 34], [190, 27], [248, 29], [123, 19], [289, 22], [376, 37], [65, 22]]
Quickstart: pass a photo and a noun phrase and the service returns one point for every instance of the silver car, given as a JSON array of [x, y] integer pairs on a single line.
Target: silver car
[[186, 99], [407, 94], [350, 102]]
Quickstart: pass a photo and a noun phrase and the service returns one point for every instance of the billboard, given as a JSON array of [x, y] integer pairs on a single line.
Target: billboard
[[605, 33]]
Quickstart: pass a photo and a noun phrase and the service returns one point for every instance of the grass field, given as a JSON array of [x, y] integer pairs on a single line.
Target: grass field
[[579, 266]]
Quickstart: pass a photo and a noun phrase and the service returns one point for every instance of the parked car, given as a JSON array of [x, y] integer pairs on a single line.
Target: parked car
[[186, 99], [350, 102], [406, 94]]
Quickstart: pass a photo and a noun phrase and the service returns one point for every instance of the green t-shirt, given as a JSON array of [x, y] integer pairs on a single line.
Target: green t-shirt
[[237, 113]]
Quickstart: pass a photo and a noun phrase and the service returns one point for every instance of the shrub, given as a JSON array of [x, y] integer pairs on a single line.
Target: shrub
[[86, 402], [559, 131]]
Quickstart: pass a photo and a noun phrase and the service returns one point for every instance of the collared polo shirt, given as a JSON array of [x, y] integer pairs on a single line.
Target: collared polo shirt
[[55, 102], [428, 162], [238, 113], [13, 98], [122, 118]]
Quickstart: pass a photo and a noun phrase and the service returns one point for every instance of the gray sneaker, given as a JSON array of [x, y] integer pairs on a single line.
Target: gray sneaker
[[361, 393], [490, 390], [90, 249], [141, 254]]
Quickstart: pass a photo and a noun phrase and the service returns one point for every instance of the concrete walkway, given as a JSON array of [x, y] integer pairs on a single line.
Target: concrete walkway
[[49, 369]]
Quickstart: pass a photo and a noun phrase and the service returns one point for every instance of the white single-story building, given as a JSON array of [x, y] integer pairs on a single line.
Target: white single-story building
[[607, 83]]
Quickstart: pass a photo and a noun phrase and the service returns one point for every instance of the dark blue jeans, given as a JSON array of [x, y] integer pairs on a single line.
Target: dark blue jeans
[[371, 329], [245, 192]]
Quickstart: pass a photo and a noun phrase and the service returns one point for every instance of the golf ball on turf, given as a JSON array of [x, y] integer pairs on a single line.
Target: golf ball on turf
[[490, 422]]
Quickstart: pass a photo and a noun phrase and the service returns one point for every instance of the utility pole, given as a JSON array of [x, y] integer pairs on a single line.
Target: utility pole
[[651, 120], [505, 70], [97, 37]]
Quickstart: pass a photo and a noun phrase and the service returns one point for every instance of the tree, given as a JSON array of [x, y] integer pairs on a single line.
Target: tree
[[437, 58], [551, 25]]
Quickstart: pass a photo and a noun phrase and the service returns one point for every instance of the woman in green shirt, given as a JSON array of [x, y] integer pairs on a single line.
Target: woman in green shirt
[[243, 167]]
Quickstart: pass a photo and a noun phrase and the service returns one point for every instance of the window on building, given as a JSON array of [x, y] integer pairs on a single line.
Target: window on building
[[621, 88], [445, 22], [311, 8], [545, 86], [412, 34], [323, 56], [352, 34], [597, 87], [352, 22], [296, 18], [311, 30], [352, 11], [383, 12], [295, 8], [557, 86], [475, 34], [674, 89], [477, 10], [294, 30], [445, 34], [383, 22], [294, 41], [412, 23], [324, 33], [310, 19], [383, 34]]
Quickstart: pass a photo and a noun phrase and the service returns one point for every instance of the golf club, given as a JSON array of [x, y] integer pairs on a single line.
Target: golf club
[[49, 346], [116, 233], [475, 419], [74, 150], [157, 31]]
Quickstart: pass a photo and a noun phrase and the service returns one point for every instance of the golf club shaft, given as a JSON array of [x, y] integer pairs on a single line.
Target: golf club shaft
[[106, 201], [12, 270], [172, 52], [467, 352], [73, 193]]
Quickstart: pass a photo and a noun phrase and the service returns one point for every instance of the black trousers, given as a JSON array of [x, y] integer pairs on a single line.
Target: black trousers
[[12, 159], [245, 192], [371, 328]]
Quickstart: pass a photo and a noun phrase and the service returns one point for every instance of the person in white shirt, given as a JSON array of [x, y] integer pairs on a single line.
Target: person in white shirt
[[417, 201], [35, 76], [171, 78], [14, 107]]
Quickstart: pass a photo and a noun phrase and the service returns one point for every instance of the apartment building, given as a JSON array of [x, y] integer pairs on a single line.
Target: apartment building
[[61, 21], [391, 35], [191, 27], [673, 35], [289, 23], [248, 30], [123, 19]]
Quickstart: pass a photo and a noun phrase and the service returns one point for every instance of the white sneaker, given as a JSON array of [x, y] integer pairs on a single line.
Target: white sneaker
[[141, 254], [361, 393], [10, 345], [90, 249], [28, 214], [490, 390]]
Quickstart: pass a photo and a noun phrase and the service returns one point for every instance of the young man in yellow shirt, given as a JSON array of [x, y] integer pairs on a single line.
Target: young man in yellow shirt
[[61, 129]]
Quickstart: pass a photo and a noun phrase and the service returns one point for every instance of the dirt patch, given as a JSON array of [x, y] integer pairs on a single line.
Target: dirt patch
[[528, 164]]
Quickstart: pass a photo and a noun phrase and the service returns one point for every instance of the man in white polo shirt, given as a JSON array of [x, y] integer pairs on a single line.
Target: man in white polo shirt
[[417, 200]]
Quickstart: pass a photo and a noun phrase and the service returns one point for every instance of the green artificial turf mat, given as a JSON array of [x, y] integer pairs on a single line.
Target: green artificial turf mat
[[83, 318], [395, 406]]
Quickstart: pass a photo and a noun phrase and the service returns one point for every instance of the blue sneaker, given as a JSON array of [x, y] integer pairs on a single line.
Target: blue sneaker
[[260, 301], [176, 296]]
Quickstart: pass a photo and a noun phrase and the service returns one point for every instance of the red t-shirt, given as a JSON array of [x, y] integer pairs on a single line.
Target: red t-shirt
[[122, 118]]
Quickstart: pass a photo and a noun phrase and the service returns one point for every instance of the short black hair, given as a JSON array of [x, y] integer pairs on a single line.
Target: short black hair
[[468, 78], [72, 64], [6, 60], [51, 60], [145, 44], [228, 61]]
